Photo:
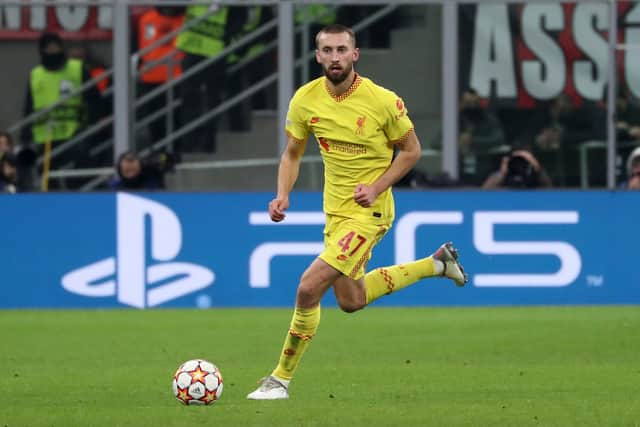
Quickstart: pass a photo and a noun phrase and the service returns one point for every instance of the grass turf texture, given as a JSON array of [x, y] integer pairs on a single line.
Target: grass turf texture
[[545, 366]]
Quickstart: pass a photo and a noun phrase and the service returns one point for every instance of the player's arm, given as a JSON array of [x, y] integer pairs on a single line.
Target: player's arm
[[408, 154], [287, 175]]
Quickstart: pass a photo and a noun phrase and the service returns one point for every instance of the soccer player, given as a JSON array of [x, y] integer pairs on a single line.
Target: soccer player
[[357, 124]]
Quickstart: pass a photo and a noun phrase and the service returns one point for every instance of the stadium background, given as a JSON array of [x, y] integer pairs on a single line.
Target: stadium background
[[104, 294], [426, 40]]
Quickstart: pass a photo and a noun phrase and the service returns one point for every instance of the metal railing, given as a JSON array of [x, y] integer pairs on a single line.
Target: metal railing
[[105, 75], [107, 172], [161, 90], [449, 63], [223, 107]]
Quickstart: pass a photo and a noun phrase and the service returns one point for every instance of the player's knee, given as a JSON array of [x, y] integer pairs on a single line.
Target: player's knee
[[350, 306], [307, 296]]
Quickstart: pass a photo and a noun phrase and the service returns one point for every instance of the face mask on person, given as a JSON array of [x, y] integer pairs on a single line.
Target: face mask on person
[[53, 61]]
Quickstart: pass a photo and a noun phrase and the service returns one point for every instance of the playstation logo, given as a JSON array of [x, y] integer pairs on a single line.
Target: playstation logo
[[127, 275]]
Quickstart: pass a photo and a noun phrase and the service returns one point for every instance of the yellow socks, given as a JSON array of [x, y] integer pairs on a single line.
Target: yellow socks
[[303, 327], [379, 282], [385, 280]]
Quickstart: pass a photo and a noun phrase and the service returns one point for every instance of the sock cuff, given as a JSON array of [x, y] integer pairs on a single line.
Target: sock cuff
[[305, 322], [307, 312]]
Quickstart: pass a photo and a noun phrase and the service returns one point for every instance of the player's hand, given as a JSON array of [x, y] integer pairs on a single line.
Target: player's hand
[[277, 208], [364, 195]]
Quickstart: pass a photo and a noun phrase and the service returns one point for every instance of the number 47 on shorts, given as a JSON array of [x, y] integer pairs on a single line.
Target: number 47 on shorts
[[346, 241]]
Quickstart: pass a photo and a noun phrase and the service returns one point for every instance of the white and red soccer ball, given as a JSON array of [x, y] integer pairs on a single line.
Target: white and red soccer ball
[[197, 382]]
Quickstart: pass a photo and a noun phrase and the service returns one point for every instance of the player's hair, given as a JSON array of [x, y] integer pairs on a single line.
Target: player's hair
[[336, 29]]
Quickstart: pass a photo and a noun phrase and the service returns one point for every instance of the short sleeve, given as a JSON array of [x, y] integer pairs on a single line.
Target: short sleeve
[[296, 125], [397, 123]]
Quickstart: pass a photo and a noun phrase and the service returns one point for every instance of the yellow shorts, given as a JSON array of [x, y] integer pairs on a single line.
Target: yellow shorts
[[348, 244]]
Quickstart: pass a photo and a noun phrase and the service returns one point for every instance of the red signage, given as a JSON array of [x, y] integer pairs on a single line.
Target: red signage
[[530, 52], [81, 22]]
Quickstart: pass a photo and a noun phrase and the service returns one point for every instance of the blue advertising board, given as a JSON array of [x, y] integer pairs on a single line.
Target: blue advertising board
[[218, 250]]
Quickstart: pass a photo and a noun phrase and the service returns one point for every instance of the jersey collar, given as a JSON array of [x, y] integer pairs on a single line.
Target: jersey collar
[[339, 98]]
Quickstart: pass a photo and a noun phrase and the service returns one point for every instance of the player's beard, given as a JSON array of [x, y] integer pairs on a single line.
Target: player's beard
[[336, 79]]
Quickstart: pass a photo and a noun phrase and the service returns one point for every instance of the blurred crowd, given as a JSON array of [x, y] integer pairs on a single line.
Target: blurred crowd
[[542, 147], [499, 146]]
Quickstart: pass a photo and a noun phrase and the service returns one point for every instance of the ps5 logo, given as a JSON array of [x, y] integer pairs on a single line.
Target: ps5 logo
[[406, 235], [126, 275]]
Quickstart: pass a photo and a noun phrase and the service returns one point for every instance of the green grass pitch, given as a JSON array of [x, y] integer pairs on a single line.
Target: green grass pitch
[[542, 366]]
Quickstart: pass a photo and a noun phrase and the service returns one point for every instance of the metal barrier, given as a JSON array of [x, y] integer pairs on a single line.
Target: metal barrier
[[162, 90], [449, 67]]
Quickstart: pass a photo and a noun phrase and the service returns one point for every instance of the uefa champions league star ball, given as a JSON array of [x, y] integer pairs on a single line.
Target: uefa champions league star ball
[[197, 382]]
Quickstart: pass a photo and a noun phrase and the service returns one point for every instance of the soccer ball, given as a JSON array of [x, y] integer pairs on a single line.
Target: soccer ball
[[197, 382]]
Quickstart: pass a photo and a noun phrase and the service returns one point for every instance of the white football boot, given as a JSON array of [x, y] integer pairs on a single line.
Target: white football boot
[[452, 268], [270, 389]]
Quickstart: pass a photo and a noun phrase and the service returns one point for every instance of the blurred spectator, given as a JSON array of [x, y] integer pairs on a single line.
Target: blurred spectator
[[480, 134], [260, 66], [9, 173], [95, 66], [54, 78], [568, 125], [627, 117], [479, 128], [633, 171], [564, 129], [152, 26], [6, 143], [22, 159], [134, 173], [202, 92], [519, 170]]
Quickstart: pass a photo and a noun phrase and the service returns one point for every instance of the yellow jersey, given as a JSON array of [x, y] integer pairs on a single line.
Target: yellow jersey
[[356, 132]]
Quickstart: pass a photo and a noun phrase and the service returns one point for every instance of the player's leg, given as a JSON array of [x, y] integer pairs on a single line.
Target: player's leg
[[348, 246], [353, 295], [442, 263], [306, 317], [348, 249], [350, 294]]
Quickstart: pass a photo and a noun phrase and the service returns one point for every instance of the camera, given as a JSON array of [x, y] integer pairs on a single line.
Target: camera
[[521, 173]]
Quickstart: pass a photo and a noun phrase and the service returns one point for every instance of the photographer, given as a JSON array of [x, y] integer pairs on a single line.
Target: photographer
[[633, 171], [6, 143], [20, 165], [8, 173], [134, 173], [520, 170]]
